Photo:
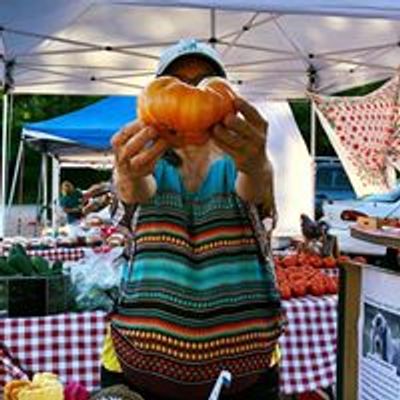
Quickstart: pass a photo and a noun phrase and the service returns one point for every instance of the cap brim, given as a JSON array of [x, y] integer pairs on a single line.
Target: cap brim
[[216, 65]]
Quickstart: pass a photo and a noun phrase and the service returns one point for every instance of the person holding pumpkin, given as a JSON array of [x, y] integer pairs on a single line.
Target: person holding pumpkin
[[198, 296]]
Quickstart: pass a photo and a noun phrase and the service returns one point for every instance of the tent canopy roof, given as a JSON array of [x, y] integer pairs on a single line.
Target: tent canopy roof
[[88, 128], [271, 48]]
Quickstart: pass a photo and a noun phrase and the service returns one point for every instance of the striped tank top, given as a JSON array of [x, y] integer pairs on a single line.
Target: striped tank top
[[198, 297]]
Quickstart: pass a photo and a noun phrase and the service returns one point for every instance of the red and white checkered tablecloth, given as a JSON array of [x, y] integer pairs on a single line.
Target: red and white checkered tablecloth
[[58, 253], [70, 345], [309, 344], [9, 367], [66, 344]]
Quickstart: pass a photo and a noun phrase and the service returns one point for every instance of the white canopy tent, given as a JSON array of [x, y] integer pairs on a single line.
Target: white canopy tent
[[272, 49]]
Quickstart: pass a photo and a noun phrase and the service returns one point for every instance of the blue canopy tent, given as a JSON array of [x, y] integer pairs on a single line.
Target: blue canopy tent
[[78, 139], [87, 130]]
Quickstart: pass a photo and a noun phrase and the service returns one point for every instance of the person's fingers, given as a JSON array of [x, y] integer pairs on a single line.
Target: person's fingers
[[121, 137], [251, 114], [238, 124], [231, 147], [226, 149], [243, 128], [137, 143], [223, 135], [156, 151], [150, 156]]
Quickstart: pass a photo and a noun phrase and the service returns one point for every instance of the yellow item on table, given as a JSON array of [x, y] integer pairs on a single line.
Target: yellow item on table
[[109, 358], [276, 356], [44, 386], [52, 392], [45, 379], [12, 388]]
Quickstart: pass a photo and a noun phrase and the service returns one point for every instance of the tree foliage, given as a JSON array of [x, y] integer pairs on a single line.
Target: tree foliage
[[26, 109]]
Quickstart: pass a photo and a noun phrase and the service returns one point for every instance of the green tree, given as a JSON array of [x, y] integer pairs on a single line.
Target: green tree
[[28, 108]]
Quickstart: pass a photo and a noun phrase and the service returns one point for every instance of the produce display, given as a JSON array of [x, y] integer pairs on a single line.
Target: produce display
[[183, 113], [19, 263], [301, 274]]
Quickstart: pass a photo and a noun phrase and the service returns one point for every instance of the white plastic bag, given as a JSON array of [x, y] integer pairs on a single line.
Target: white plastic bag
[[96, 278]]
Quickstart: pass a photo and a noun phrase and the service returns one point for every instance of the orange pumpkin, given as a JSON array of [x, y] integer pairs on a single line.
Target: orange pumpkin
[[183, 113]]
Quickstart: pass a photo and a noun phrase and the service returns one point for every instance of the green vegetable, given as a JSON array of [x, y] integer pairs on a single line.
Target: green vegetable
[[40, 265], [21, 263], [5, 269], [17, 248], [57, 267]]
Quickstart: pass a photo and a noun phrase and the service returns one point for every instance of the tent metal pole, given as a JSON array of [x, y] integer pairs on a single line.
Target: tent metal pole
[[45, 189], [55, 185], [16, 173], [313, 149], [357, 63], [212, 27], [250, 25], [10, 120], [4, 169], [313, 138]]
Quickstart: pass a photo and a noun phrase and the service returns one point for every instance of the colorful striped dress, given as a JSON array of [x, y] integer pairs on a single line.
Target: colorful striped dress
[[198, 297]]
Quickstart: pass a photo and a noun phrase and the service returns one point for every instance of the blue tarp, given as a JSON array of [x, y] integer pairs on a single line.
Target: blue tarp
[[92, 126]]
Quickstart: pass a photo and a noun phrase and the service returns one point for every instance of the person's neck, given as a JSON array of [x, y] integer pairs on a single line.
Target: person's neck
[[195, 163], [194, 157]]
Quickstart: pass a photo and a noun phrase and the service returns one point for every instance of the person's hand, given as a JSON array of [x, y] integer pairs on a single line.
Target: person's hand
[[243, 137], [137, 148]]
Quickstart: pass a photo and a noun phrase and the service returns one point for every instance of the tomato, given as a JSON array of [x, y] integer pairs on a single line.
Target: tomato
[[329, 262], [298, 287], [296, 276], [316, 261], [316, 287], [303, 258], [343, 259], [331, 285], [285, 291], [290, 260], [281, 275], [309, 271], [183, 113]]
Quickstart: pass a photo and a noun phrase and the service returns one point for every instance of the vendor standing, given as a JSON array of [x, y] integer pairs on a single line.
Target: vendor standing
[[199, 296], [71, 202]]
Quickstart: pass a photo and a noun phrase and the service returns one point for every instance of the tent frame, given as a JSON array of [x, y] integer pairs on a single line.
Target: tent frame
[[4, 166], [229, 40]]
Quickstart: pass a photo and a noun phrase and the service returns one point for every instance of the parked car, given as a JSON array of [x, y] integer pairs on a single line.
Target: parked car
[[331, 184], [342, 214]]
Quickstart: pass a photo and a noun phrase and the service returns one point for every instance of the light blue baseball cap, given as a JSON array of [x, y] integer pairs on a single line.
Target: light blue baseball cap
[[187, 47]]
